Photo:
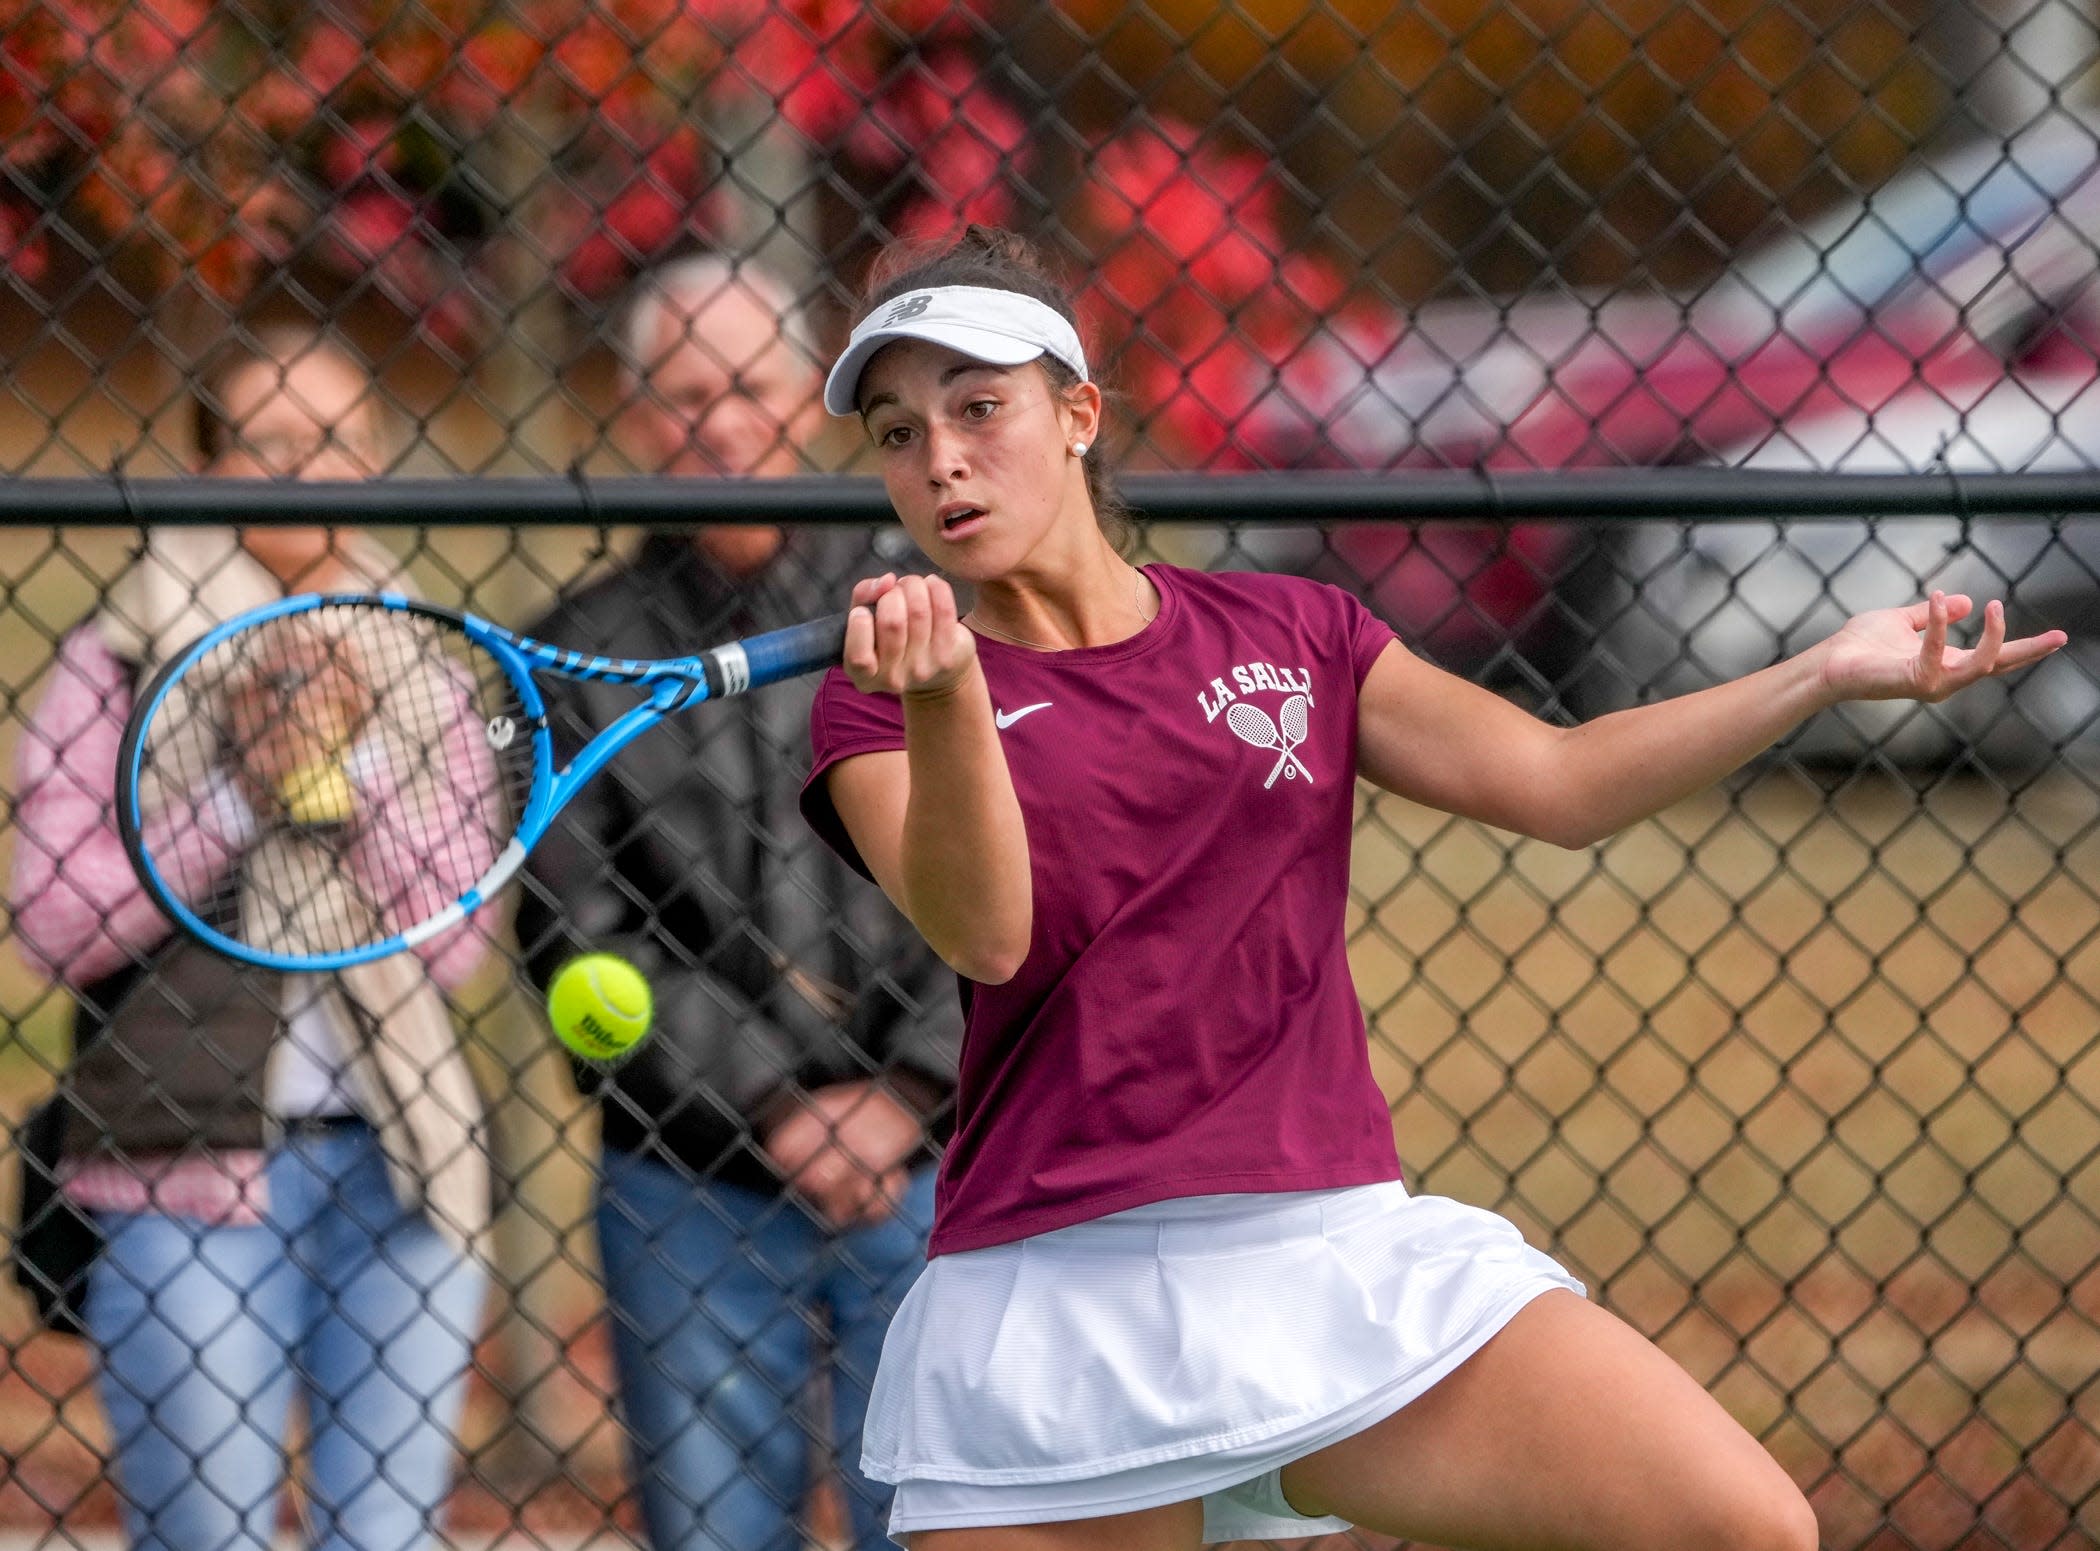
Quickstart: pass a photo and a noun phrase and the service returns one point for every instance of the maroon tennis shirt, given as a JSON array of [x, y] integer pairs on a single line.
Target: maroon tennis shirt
[[1184, 1023]]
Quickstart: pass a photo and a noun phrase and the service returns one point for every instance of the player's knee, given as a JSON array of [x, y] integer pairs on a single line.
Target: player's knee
[[1802, 1532], [1777, 1520]]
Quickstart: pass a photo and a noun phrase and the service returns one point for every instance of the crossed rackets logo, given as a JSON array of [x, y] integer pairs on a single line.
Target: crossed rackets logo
[[1252, 724]]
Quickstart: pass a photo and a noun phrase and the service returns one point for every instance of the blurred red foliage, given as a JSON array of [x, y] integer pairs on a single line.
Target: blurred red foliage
[[380, 139], [1195, 277], [959, 138], [1242, 350]]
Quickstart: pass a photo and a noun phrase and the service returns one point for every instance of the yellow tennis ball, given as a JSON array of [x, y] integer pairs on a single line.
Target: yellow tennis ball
[[319, 793], [599, 1005]]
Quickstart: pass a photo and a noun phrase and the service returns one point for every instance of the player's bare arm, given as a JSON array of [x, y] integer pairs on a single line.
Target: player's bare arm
[[1439, 740], [938, 824]]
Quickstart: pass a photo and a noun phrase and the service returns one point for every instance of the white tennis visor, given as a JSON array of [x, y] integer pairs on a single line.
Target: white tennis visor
[[1003, 328]]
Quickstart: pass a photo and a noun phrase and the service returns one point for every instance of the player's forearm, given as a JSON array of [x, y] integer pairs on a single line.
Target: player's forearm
[[1632, 764], [966, 876]]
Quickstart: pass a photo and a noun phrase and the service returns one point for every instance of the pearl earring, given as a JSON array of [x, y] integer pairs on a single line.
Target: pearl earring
[[1079, 449]]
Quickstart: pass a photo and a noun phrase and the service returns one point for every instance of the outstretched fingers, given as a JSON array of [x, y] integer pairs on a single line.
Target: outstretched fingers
[[2007, 656], [1982, 660], [1932, 652], [1992, 655], [1956, 605]]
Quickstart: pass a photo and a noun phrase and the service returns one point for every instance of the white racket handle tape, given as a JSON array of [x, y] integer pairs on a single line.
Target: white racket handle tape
[[732, 665]]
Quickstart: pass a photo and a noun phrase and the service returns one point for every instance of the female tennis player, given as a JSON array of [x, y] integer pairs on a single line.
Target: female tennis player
[[1178, 1291]]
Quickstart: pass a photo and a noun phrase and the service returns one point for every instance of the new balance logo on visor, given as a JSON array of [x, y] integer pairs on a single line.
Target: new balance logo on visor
[[1006, 719]]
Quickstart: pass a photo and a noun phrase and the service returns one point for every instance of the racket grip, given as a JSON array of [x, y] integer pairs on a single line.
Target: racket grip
[[782, 654]]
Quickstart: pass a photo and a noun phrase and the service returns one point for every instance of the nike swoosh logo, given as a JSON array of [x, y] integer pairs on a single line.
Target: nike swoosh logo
[[1006, 719]]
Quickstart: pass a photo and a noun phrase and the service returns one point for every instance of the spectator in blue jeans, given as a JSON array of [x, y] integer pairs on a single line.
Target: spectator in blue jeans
[[336, 1293], [249, 1185], [767, 1185]]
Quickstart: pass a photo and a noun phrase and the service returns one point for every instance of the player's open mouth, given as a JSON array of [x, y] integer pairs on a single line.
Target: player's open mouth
[[959, 519]]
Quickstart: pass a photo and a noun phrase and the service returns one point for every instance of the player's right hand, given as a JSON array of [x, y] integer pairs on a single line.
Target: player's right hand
[[903, 637]]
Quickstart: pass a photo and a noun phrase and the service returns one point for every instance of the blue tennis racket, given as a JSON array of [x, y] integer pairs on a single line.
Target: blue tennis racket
[[334, 778]]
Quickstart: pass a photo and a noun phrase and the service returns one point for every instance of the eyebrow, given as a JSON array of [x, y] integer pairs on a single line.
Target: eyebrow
[[947, 377]]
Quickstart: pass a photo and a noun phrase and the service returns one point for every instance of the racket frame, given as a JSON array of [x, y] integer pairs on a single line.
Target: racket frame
[[673, 684]]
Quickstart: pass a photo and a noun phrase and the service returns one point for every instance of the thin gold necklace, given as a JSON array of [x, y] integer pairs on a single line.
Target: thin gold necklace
[[1137, 594]]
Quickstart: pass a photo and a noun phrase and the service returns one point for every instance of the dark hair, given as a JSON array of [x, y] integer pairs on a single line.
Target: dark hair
[[1001, 260], [278, 345]]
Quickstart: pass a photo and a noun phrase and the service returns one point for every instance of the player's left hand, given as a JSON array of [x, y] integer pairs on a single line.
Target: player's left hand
[[843, 1149], [1902, 653]]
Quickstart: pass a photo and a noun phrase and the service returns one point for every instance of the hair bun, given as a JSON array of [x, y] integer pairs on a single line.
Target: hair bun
[[1006, 246], [989, 256]]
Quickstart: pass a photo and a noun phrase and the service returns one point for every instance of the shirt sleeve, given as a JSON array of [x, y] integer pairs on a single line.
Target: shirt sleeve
[[1366, 634], [843, 723]]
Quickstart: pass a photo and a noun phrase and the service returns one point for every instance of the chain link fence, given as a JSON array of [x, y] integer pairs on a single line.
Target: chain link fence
[[1801, 1077]]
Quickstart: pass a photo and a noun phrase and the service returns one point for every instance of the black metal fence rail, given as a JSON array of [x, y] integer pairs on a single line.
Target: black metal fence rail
[[1707, 495]]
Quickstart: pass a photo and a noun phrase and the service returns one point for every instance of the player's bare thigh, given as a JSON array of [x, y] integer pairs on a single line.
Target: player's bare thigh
[[1568, 1429], [1176, 1527]]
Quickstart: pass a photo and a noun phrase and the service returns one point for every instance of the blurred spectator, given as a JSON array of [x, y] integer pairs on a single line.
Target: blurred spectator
[[767, 1186], [248, 1183]]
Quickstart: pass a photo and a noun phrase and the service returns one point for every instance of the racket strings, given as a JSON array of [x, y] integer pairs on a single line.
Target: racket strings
[[333, 778]]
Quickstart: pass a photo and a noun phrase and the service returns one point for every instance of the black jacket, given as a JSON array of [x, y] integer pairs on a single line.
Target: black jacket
[[775, 969]]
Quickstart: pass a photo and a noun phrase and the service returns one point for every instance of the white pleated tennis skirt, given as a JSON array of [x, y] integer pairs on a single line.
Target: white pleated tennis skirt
[[1186, 1349]]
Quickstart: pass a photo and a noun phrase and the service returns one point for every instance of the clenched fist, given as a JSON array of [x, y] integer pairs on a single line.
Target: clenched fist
[[904, 638]]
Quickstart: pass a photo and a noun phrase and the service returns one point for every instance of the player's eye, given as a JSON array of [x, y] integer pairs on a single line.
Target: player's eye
[[980, 409], [894, 436]]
